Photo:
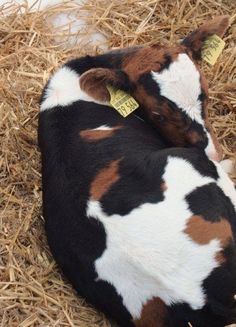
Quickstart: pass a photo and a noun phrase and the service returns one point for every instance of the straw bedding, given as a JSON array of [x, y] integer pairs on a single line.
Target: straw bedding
[[32, 290]]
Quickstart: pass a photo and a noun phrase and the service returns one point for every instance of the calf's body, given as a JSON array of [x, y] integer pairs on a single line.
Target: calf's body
[[144, 232]]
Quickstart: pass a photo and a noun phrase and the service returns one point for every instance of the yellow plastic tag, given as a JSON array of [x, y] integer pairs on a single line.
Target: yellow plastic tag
[[212, 48], [122, 101]]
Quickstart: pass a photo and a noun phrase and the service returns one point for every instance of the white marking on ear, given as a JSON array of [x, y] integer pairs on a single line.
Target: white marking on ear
[[147, 251], [63, 89], [180, 83]]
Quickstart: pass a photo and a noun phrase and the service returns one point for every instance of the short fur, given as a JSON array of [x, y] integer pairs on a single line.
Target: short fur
[[119, 210]]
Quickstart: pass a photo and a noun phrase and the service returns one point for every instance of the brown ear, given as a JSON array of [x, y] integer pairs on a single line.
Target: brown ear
[[94, 82], [194, 42]]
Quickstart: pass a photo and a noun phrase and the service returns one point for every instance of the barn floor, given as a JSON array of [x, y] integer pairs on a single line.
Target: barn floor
[[32, 290]]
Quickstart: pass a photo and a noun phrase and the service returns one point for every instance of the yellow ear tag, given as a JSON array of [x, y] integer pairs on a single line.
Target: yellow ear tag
[[122, 101], [212, 48]]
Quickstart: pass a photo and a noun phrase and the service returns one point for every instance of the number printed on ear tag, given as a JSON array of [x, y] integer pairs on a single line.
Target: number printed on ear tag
[[212, 48], [122, 101]]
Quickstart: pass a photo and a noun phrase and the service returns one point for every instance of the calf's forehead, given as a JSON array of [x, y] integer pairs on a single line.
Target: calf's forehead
[[180, 83], [176, 75], [147, 59]]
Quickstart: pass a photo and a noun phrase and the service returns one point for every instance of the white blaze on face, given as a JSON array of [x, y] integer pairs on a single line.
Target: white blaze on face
[[180, 83]]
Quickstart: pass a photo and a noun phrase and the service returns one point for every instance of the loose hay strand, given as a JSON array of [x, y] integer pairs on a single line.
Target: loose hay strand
[[32, 290]]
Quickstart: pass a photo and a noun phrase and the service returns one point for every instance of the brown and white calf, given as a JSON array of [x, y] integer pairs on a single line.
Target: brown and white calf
[[143, 230]]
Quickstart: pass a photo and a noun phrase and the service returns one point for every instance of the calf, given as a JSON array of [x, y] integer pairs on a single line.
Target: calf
[[144, 231]]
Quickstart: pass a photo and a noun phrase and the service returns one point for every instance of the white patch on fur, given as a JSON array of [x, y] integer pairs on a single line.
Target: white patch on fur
[[147, 252], [64, 89], [180, 83], [103, 128], [210, 149]]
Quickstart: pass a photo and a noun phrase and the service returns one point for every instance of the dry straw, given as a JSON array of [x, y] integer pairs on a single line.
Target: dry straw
[[32, 291]]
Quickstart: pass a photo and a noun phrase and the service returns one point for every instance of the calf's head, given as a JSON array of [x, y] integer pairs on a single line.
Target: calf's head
[[167, 83]]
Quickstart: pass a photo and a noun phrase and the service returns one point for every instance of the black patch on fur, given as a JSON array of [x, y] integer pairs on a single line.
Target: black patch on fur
[[151, 87], [166, 63], [136, 186], [219, 205], [202, 96], [197, 158], [112, 59], [182, 315], [220, 286]]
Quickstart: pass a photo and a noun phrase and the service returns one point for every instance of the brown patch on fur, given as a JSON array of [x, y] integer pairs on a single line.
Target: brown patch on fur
[[220, 258], [204, 83], [153, 314], [147, 59], [164, 187], [204, 87], [95, 135], [172, 126], [147, 101], [202, 232], [104, 180], [194, 137]]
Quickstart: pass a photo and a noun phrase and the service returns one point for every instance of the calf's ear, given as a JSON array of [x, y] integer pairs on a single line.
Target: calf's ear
[[195, 41], [94, 82]]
